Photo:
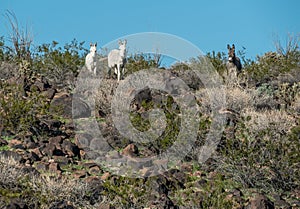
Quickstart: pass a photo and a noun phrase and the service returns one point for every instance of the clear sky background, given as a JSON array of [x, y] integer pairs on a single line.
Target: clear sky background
[[209, 24]]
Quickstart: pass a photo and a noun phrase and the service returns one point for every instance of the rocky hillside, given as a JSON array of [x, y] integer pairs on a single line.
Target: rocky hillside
[[45, 163]]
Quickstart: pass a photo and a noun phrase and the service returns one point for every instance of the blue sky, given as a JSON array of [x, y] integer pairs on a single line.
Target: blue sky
[[209, 24]]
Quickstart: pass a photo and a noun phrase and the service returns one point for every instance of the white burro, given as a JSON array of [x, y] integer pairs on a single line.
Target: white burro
[[91, 59], [117, 59]]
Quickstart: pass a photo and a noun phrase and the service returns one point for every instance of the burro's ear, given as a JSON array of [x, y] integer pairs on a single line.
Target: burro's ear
[[91, 44], [125, 41], [228, 46], [233, 47], [120, 42], [96, 44]]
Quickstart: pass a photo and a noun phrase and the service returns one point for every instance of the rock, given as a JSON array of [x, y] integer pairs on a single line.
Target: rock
[[260, 202], [51, 126], [58, 152], [143, 95], [94, 170], [280, 203], [57, 140], [80, 174], [89, 164], [54, 167], [33, 157], [38, 152], [82, 140], [3, 142], [130, 150], [80, 109], [296, 193], [18, 146], [105, 206], [164, 202], [186, 167], [41, 84], [41, 166], [93, 180], [49, 150], [62, 101], [105, 176], [100, 146], [188, 76], [49, 93], [62, 205], [62, 160], [14, 142], [29, 143], [145, 172], [82, 154], [70, 148]]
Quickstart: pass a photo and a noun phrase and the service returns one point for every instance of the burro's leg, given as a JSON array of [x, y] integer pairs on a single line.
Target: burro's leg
[[123, 71], [95, 69], [109, 72], [118, 66]]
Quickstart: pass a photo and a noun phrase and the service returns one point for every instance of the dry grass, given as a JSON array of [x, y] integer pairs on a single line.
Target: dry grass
[[42, 190], [277, 120], [296, 104], [238, 99]]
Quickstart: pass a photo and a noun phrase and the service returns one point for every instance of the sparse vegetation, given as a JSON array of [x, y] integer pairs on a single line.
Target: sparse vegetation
[[258, 151]]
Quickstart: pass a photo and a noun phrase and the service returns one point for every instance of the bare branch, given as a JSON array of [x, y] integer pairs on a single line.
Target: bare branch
[[20, 38]]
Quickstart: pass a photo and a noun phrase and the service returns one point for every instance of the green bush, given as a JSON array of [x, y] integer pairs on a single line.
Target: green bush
[[265, 159], [138, 62], [1, 48], [171, 131], [218, 60], [60, 64], [273, 64], [19, 113]]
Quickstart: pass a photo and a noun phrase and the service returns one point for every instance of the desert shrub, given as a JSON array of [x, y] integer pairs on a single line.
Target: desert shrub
[[278, 96], [218, 60], [20, 37], [138, 62], [41, 191], [19, 113], [214, 192], [140, 120], [286, 93], [262, 152], [272, 65], [60, 64], [238, 99], [8, 70], [295, 106], [2, 48], [278, 121], [263, 98]]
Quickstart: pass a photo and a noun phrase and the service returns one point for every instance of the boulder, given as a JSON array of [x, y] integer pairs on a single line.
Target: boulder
[[260, 201]]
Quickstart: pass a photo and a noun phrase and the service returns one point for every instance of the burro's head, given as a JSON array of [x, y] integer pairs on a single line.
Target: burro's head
[[122, 47], [93, 47], [231, 52]]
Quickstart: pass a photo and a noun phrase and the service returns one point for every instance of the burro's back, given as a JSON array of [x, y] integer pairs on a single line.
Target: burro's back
[[114, 58]]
